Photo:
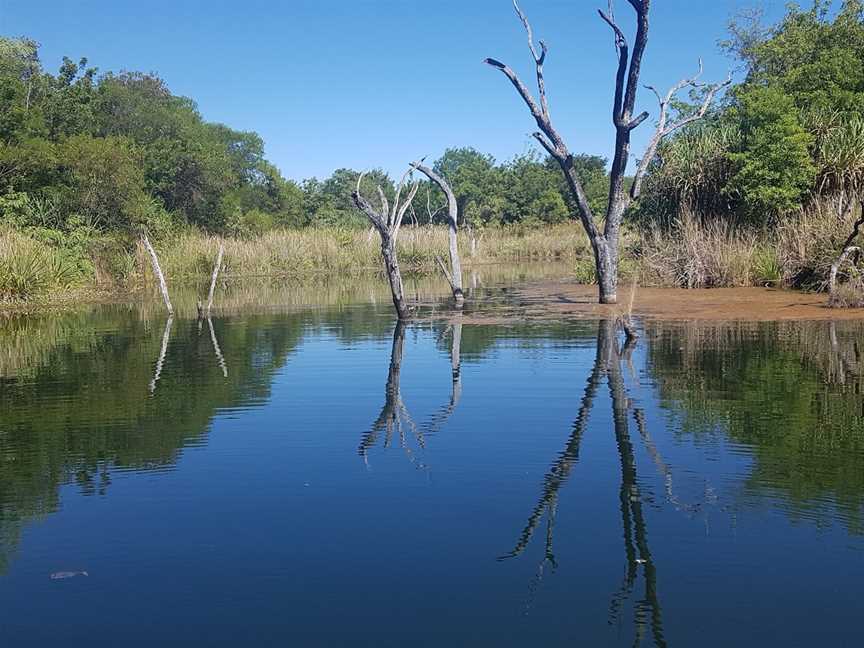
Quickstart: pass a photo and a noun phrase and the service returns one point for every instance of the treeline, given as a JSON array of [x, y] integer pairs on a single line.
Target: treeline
[[79, 150], [88, 159], [82, 154]]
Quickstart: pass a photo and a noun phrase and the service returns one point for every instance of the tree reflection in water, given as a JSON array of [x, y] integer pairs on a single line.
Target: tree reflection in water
[[607, 363], [395, 417]]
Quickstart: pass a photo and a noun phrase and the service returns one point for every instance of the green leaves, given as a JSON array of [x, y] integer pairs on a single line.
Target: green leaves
[[774, 166]]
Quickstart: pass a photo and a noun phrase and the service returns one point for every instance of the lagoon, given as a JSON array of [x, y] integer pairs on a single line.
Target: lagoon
[[302, 470]]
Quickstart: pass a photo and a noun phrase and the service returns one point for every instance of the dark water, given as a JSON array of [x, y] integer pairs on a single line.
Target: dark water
[[320, 477]]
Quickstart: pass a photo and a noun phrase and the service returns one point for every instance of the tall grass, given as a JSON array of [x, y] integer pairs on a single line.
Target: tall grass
[[693, 251], [708, 252], [701, 254], [29, 268], [810, 241], [335, 250]]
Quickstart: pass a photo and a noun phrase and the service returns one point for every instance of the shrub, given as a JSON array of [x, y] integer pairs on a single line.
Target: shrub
[[29, 268]]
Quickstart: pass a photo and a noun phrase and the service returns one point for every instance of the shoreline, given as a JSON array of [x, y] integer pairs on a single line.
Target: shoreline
[[546, 299], [568, 300]]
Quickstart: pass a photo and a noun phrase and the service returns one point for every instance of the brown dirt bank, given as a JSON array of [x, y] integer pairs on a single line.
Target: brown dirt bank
[[563, 299]]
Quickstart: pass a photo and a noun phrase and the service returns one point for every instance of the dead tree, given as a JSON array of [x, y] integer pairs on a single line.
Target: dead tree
[[605, 243], [157, 270], [214, 277], [849, 250], [454, 276], [387, 221]]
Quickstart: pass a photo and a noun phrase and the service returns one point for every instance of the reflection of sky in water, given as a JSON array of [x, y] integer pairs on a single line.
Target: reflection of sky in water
[[270, 527]]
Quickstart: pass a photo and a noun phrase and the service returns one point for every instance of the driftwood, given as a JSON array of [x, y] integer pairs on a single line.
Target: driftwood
[[454, 276], [604, 244], [387, 221], [157, 270]]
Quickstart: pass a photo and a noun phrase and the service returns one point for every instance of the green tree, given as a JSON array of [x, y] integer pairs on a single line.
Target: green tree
[[475, 181], [774, 168], [329, 202], [103, 183], [814, 59]]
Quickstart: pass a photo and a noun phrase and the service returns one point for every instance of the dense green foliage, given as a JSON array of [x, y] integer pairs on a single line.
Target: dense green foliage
[[112, 152], [792, 132]]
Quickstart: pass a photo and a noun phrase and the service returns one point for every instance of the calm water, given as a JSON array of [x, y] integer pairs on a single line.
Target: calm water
[[319, 476]]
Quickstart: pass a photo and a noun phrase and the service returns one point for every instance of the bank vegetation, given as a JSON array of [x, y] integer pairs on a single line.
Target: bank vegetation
[[764, 189]]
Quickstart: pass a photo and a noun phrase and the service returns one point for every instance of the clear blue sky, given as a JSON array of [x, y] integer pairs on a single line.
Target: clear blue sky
[[333, 83]]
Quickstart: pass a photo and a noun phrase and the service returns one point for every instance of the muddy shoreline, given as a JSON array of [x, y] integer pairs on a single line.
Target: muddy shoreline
[[565, 299], [558, 298]]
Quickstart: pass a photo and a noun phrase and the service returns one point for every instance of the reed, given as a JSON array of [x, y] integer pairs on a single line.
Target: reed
[[284, 253]]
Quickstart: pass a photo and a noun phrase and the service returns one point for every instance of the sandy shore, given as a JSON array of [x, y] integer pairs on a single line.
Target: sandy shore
[[563, 299]]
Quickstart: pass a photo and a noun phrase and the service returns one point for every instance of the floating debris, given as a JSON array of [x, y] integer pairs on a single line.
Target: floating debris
[[61, 575]]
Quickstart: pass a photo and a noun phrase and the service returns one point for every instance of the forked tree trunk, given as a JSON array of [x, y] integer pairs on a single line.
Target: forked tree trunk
[[387, 221], [605, 243]]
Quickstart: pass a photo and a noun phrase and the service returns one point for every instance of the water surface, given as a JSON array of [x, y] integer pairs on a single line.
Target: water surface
[[302, 471]]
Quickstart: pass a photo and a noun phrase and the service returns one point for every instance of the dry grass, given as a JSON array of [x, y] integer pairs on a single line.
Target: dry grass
[[810, 242], [710, 253], [695, 254], [332, 250]]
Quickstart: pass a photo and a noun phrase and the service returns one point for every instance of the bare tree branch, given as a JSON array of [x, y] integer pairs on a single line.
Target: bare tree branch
[[664, 129], [538, 59], [400, 212], [454, 277]]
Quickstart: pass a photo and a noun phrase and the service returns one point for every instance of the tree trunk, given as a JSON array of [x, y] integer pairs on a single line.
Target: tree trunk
[[455, 274], [455, 263], [157, 270], [214, 277], [606, 261], [391, 266]]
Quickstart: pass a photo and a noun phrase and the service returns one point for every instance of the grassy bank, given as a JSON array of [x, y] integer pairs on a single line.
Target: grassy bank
[[692, 253], [32, 269], [337, 250]]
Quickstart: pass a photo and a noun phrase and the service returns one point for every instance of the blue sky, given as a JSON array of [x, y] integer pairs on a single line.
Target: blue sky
[[332, 83]]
